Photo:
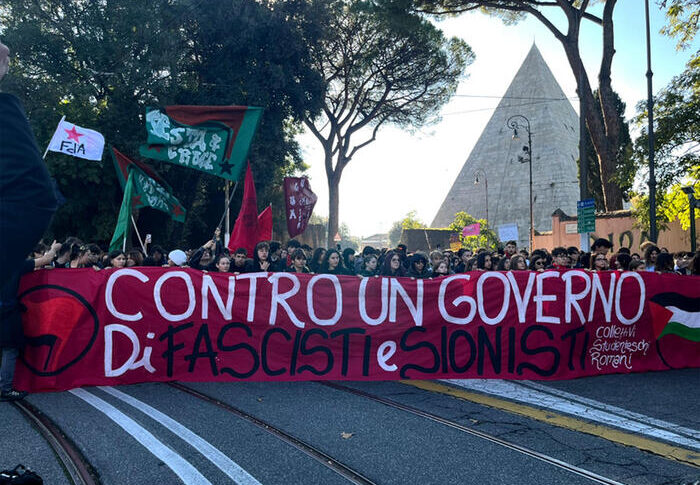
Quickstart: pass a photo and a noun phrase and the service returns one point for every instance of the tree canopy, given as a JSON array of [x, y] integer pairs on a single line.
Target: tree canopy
[[378, 68], [486, 238], [101, 63], [676, 128]]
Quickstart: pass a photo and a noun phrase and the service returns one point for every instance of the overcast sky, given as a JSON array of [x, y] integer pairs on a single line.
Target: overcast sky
[[403, 171]]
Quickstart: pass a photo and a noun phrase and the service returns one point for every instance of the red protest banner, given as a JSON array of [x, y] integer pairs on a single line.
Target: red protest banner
[[300, 202], [154, 324]]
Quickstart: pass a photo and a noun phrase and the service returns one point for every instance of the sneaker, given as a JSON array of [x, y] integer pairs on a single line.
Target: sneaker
[[12, 395]]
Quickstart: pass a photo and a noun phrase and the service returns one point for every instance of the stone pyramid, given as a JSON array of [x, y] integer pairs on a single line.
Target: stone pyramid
[[535, 94]]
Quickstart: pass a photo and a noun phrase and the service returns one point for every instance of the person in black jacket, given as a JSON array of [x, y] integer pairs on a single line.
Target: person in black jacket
[[27, 203], [418, 266], [240, 263], [204, 258], [332, 263]]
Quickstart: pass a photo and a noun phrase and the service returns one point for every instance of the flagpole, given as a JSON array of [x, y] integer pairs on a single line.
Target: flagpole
[[143, 247], [47, 146], [226, 208], [228, 203]]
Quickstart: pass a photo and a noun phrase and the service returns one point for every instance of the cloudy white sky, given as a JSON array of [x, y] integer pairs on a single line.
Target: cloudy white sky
[[404, 171]]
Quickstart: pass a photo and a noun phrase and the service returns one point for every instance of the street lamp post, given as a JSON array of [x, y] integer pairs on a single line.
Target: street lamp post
[[693, 203], [486, 186], [513, 124]]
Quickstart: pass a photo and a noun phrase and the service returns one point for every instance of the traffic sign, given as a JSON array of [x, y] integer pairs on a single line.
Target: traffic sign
[[585, 210]]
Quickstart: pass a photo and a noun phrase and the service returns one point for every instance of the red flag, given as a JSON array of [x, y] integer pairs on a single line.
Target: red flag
[[245, 231], [300, 202], [265, 224]]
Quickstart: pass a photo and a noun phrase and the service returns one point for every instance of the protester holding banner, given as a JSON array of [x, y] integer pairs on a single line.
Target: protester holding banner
[[418, 266], [664, 263], [298, 262], [392, 265], [222, 263], [440, 270], [599, 262], [204, 258], [261, 261], [240, 262], [332, 263], [369, 265], [503, 264], [134, 258], [116, 259], [317, 259], [517, 263], [349, 260], [483, 261]]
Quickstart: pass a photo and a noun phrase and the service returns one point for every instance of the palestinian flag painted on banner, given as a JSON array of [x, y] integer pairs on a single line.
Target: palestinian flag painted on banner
[[673, 313], [148, 190], [213, 139]]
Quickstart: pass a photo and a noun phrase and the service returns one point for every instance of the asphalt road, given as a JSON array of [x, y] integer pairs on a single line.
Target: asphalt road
[[159, 434]]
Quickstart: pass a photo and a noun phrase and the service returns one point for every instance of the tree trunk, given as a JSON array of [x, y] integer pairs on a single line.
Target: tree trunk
[[333, 203], [603, 143]]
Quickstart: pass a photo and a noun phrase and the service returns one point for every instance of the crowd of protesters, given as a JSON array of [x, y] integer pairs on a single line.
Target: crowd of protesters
[[272, 256]]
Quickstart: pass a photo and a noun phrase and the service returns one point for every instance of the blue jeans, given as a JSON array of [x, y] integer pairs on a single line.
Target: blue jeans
[[7, 368]]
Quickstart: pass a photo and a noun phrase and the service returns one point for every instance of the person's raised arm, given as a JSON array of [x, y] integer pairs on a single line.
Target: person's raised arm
[[48, 256]]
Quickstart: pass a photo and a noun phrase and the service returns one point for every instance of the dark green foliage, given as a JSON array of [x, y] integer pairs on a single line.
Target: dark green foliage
[[101, 63]]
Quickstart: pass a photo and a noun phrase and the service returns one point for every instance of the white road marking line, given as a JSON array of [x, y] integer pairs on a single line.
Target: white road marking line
[[512, 391], [211, 453], [676, 428], [182, 468]]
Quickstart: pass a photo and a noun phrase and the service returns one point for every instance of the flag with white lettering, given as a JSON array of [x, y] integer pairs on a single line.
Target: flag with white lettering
[[77, 141], [213, 139], [300, 201]]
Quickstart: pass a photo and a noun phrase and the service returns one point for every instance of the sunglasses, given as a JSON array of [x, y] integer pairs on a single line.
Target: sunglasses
[[539, 263]]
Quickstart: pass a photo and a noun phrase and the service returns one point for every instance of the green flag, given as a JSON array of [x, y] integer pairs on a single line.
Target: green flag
[[200, 147], [213, 139], [149, 193], [149, 189], [121, 232]]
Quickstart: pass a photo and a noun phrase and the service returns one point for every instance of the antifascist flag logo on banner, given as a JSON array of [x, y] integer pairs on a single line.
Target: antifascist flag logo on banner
[[213, 139], [300, 201], [76, 141]]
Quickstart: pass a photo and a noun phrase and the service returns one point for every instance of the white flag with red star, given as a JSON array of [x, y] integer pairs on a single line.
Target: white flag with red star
[[76, 141]]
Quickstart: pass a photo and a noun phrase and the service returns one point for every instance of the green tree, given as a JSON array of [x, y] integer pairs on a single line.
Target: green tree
[[676, 128], [564, 20], [411, 221], [102, 63], [683, 20], [487, 238], [625, 166], [377, 69]]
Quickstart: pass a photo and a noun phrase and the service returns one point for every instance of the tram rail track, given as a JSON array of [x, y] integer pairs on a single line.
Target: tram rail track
[[594, 477], [76, 466], [337, 466]]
